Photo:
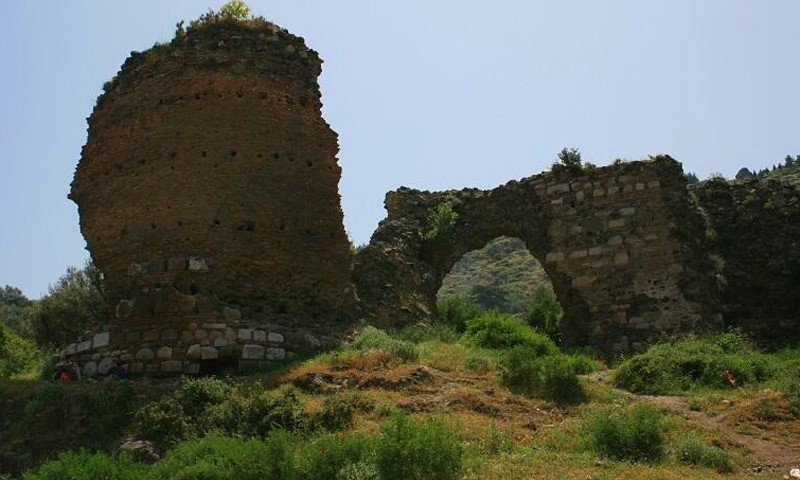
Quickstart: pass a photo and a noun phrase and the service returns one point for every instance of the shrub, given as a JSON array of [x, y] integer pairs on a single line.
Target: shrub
[[235, 10], [569, 160], [219, 458], [46, 394], [17, 354], [456, 312], [359, 471], [325, 457], [582, 364], [371, 338], [689, 363], [551, 377], [84, 465], [694, 451], [420, 332], [426, 450], [478, 363], [164, 421], [635, 434], [338, 411], [545, 313], [496, 330], [196, 395], [278, 409], [497, 442], [75, 304], [441, 223]]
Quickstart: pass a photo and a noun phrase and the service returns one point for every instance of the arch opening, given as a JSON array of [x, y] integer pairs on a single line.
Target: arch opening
[[503, 275]]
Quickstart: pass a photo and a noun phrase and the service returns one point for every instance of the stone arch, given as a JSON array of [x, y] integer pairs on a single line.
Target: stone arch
[[620, 245]]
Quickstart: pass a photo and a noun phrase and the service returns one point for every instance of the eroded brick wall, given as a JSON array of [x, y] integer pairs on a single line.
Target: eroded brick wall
[[209, 181], [623, 246], [755, 227]]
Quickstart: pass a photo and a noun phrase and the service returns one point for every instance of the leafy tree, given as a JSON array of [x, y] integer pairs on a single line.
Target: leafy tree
[[569, 160], [545, 313], [13, 296], [74, 305], [691, 178], [235, 10], [441, 222]]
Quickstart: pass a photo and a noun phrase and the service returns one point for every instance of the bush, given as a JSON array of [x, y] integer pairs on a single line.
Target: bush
[[545, 313], [17, 355], [635, 434], [441, 223], [582, 364], [371, 338], [75, 304], [682, 365], [551, 377], [496, 330], [569, 160], [456, 312], [46, 395], [84, 465], [196, 395], [694, 451], [427, 450], [278, 409], [326, 457], [420, 332], [235, 10], [219, 458], [338, 411]]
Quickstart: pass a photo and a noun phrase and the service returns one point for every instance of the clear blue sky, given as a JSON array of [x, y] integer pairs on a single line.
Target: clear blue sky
[[430, 94]]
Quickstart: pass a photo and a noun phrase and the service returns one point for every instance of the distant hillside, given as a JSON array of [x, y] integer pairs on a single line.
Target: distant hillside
[[788, 174], [502, 275]]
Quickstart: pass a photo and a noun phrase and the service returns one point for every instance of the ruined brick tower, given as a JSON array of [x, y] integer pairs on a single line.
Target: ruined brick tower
[[208, 197]]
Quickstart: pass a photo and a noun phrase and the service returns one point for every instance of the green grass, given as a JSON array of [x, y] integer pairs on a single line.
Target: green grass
[[693, 363], [634, 434]]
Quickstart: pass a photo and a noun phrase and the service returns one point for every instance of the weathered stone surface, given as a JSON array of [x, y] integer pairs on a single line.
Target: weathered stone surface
[[144, 354], [169, 335], [83, 346], [101, 340], [245, 334], [208, 353], [172, 366], [275, 337], [275, 354], [580, 239], [164, 353], [194, 352], [90, 369], [105, 365], [252, 352], [259, 336]]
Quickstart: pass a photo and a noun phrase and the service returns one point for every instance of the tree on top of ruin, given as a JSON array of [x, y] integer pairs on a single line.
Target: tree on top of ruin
[[235, 10]]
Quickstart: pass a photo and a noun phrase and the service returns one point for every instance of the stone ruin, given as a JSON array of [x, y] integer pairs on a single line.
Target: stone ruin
[[208, 197]]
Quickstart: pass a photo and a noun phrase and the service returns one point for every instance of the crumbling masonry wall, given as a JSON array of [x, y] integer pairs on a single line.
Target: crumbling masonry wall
[[208, 197], [623, 246], [755, 227]]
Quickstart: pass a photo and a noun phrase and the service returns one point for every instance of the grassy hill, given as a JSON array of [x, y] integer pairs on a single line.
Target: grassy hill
[[501, 275]]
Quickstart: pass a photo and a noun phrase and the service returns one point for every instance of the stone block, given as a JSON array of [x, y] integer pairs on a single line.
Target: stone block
[[125, 308], [164, 353], [169, 335], [615, 240], [96, 356], [558, 188], [653, 184], [627, 211], [259, 336], [579, 254], [83, 346], [596, 250], [172, 366], [230, 334], [151, 368], [105, 365], [275, 354], [126, 357], [275, 337], [151, 335], [71, 349], [136, 367], [553, 257], [176, 264], [252, 352], [215, 326], [220, 342], [582, 282], [101, 340], [209, 353], [231, 314], [616, 223], [90, 369], [144, 354], [198, 264], [621, 258], [200, 334], [639, 186], [245, 334]]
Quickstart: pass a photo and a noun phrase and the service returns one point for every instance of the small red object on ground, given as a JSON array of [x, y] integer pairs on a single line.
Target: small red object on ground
[[731, 378]]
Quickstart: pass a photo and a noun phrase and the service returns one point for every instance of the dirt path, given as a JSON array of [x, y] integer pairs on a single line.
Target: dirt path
[[770, 456]]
